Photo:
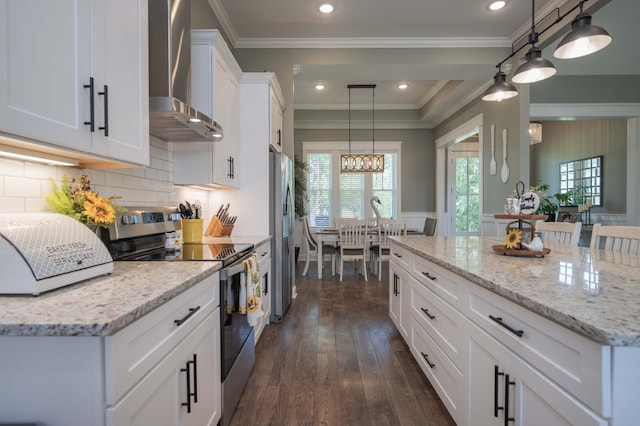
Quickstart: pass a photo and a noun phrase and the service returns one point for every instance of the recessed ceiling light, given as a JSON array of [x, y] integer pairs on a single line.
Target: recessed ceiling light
[[326, 8], [320, 86], [497, 5], [403, 86]]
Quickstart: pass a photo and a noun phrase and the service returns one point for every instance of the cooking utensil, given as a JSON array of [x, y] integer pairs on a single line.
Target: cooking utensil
[[184, 212], [504, 172], [492, 164], [197, 207]]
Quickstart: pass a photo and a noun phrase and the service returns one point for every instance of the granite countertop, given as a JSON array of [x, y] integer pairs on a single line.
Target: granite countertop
[[593, 293], [102, 305], [256, 240]]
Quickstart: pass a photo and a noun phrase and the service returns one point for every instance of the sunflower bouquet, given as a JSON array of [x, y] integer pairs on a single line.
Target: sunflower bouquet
[[76, 199]]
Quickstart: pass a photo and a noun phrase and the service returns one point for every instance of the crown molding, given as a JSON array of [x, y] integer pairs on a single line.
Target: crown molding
[[225, 21], [584, 111], [371, 43]]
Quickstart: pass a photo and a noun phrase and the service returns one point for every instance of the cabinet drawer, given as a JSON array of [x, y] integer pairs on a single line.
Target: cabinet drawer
[[133, 351], [445, 378], [574, 362], [401, 256], [439, 320], [445, 284], [264, 253]]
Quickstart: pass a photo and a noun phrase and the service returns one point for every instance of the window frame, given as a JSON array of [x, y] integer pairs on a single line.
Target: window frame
[[337, 148]]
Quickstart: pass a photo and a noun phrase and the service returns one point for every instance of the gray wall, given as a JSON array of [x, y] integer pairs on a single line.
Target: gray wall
[[574, 140], [418, 160]]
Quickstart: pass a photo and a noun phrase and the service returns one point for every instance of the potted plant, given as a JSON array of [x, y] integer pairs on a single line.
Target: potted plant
[[300, 194]]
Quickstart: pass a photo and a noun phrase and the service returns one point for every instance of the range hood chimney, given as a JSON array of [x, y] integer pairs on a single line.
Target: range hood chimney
[[171, 117]]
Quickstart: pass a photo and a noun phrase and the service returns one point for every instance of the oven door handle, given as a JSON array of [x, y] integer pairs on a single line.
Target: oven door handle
[[235, 269]]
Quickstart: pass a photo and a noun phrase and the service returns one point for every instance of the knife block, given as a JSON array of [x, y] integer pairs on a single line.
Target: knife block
[[217, 229]]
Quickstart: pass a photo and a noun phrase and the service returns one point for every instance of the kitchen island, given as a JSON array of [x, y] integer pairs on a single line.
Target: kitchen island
[[139, 345], [546, 340]]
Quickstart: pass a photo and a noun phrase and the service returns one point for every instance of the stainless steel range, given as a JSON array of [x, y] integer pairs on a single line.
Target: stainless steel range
[[144, 234]]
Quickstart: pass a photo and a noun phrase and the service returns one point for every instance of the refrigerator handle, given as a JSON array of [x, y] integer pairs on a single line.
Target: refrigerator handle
[[287, 199]]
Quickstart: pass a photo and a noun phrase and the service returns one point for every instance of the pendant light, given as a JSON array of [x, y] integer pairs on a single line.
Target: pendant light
[[584, 38], [535, 68], [500, 89], [362, 163]]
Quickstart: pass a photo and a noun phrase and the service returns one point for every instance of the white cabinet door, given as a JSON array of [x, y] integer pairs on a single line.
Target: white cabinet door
[[45, 60], [183, 389], [227, 101], [265, 290], [57, 58], [399, 301], [275, 139], [502, 384], [121, 72]]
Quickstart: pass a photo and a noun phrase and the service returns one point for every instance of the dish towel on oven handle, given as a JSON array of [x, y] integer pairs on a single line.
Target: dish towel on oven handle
[[250, 291]]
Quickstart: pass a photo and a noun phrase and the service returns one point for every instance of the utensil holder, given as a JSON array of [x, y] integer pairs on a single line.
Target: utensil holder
[[217, 229], [191, 231]]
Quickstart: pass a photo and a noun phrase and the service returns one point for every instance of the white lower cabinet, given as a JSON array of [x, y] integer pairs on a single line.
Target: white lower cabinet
[[399, 302], [183, 389], [493, 362], [264, 263], [504, 389]]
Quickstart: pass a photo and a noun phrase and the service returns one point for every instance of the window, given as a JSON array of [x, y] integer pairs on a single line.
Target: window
[[354, 190]]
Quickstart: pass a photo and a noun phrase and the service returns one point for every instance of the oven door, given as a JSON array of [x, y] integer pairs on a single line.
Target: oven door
[[237, 340]]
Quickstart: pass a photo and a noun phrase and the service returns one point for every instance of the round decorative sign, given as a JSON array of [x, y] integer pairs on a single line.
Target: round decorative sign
[[528, 203]]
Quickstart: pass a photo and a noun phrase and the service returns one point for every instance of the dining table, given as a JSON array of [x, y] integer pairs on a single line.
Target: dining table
[[331, 236]]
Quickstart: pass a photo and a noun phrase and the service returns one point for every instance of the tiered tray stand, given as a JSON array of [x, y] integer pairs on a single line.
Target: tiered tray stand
[[525, 223]]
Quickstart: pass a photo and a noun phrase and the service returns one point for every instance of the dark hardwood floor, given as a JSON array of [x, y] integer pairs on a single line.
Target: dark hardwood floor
[[337, 359]]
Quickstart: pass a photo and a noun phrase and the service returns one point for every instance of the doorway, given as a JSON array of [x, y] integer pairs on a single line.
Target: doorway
[[464, 188]]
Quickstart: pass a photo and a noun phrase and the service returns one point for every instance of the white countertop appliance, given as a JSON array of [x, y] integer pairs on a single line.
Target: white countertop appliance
[[45, 251]]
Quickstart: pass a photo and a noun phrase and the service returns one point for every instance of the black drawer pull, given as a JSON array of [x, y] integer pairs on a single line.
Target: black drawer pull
[[426, 358], [181, 321], [518, 333], [426, 312], [397, 255], [428, 275], [496, 407]]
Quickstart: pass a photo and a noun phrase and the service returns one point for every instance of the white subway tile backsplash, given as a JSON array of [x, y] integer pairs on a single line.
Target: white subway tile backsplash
[[22, 187], [12, 205]]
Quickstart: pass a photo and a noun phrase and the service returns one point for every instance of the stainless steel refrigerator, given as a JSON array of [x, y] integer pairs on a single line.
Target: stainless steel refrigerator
[[281, 222]]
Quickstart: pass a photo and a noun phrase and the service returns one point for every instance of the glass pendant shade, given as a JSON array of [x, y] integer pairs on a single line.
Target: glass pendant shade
[[583, 39], [500, 89], [536, 68]]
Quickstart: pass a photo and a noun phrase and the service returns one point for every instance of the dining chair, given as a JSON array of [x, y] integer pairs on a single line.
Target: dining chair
[[559, 233], [381, 251], [622, 239], [352, 241], [311, 246], [430, 226]]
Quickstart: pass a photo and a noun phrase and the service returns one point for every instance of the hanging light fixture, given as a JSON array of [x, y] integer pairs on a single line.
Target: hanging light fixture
[[536, 68], [363, 163], [583, 38], [535, 133], [500, 89]]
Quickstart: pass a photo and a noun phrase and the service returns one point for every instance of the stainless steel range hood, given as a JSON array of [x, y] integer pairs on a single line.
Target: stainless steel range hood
[[170, 115]]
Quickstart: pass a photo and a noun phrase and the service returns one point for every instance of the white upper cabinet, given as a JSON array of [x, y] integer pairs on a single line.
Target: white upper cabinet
[[215, 92], [275, 110], [74, 75]]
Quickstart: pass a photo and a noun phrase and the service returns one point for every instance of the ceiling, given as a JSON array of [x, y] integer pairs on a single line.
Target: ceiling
[[436, 89]]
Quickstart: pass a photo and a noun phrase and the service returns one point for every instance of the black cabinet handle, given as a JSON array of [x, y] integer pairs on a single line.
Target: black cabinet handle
[[496, 407], [181, 321], [188, 371], [92, 112], [426, 358], [397, 255], [195, 379], [426, 311], [266, 283], [507, 383], [428, 275], [279, 137], [233, 168], [518, 333], [105, 93]]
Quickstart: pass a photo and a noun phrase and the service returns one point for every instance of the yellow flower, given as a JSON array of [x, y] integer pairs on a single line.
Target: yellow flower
[[513, 238], [253, 303], [100, 210], [77, 200]]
